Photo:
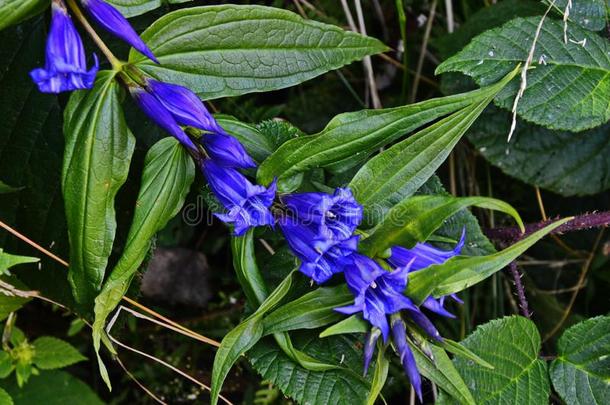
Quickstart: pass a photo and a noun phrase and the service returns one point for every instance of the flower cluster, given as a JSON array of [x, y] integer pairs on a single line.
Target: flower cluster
[[319, 228]]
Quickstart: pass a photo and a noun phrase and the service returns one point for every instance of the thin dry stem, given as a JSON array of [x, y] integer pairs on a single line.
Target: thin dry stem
[[368, 64], [422, 53]]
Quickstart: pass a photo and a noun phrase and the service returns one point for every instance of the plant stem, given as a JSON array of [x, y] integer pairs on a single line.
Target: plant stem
[[114, 61], [520, 290]]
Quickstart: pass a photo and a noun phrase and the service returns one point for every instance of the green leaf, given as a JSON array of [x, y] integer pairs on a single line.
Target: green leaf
[[380, 376], [511, 345], [442, 372], [416, 218], [246, 268], [168, 174], [52, 388], [567, 90], [589, 14], [132, 8], [563, 162], [581, 371], [9, 302], [6, 189], [14, 11], [6, 364], [53, 353], [399, 171], [342, 385], [257, 144], [5, 398], [8, 260], [235, 343], [229, 50], [98, 152], [461, 272], [353, 324], [355, 135], [312, 310], [456, 348]]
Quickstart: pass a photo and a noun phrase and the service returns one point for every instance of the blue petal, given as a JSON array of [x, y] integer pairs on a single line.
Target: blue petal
[[227, 151], [161, 116], [65, 64], [423, 322], [114, 22], [406, 356], [369, 348], [423, 255], [436, 306]]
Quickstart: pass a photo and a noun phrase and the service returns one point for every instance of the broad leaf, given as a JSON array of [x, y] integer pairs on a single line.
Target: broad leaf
[[416, 218], [15, 11], [8, 260], [581, 371], [132, 8], [569, 87], [50, 353], [52, 388], [229, 50], [98, 152], [511, 345], [355, 135], [461, 272], [563, 162], [168, 174], [399, 171], [589, 14]]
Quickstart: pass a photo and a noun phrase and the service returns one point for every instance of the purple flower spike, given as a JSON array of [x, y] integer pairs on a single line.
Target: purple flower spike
[[114, 22], [247, 204], [161, 116], [406, 355], [336, 216], [65, 64]]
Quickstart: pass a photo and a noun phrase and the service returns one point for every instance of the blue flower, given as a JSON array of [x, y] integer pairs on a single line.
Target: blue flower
[[320, 257], [247, 204], [424, 255], [114, 22], [336, 216], [161, 115], [188, 110], [65, 64], [399, 336]]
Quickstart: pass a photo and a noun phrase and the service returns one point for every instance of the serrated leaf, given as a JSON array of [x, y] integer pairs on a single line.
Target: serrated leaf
[[511, 345], [581, 371], [359, 133], [52, 388], [229, 50], [461, 272], [51, 353], [399, 171], [312, 310], [14, 11], [98, 153], [168, 174], [563, 162], [8, 260], [416, 218], [589, 14], [569, 87]]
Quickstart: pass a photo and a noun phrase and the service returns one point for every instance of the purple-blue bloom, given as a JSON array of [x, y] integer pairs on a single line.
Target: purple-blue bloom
[[188, 110], [65, 63], [335, 216], [161, 116], [114, 22], [407, 359], [320, 257], [421, 256], [247, 204]]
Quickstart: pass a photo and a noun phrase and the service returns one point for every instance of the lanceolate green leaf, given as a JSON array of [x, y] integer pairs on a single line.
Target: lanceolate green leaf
[[357, 134], [229, 50], [567, 90], [461, 272], [353, 324], [168, 174], [511, 345], [15, 11], [132, 8], [398, 172], [380, 376], [416, 218], [246, 269], [8, 260], [98, 152], [581, 371]]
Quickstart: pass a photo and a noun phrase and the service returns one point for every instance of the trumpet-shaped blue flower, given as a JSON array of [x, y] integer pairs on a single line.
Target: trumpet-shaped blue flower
[[65, 63], [335, 216], [188, 110], [161, 116], [422, 256], [247, 204], [320, 257], [114, 22]]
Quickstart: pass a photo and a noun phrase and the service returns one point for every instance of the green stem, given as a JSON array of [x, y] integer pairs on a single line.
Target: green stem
[[114, 61]]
